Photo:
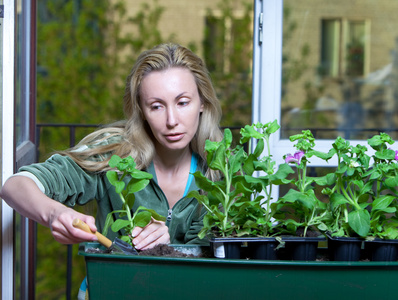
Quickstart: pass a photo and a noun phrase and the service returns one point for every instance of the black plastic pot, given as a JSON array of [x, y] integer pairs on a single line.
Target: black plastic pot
[[265, 248], [302, 248], [344, 248], [245, 247], [382, 250]]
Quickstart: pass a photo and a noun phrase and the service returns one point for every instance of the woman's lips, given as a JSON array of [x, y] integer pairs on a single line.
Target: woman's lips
[[174, 137]]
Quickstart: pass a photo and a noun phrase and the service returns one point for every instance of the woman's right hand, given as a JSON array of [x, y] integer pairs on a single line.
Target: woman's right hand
[[64, 232]]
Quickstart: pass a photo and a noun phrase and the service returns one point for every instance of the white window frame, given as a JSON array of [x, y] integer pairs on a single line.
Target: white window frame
[[15, 155], [267, 74], [7, 215]]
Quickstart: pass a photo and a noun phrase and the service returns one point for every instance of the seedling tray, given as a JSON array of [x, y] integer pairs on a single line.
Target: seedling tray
[[116, 276]]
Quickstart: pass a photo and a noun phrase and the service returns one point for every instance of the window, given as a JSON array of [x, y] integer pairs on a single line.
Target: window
[[227, 51], [226, 46], [338, 69], [325, 66], [343, 47], [330, 47]]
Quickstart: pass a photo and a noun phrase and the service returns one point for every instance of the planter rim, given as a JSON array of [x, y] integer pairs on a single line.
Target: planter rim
[[284, 238], [303, 239], [242, 239], [379, 240], [200, 260], [345, 238]]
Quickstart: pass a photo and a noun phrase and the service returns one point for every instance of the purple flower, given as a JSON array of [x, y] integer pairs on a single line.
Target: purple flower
[[296, 158]]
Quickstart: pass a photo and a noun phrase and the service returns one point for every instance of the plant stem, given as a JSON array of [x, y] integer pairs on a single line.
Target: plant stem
[[226, 195], [127, 208]]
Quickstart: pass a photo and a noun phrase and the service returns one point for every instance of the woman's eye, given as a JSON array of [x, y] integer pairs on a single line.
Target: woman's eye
[[183, 102], [156, 106]]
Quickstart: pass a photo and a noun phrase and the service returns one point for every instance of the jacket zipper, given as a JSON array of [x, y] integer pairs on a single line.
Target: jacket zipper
[[170, 212]]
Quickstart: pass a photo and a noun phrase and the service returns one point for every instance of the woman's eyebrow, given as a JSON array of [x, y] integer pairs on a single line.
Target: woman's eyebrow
[[161, 99], [180, 95]]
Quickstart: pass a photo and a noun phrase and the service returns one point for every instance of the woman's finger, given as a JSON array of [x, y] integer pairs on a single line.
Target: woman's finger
[[153, 234]]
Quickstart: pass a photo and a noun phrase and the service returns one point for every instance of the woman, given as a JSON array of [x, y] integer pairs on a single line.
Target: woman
[[171, 109]]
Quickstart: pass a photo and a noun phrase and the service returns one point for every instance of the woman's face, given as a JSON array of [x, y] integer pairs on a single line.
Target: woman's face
[[171, 105]]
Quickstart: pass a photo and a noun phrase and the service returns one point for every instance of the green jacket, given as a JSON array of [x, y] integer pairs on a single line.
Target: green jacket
[[68, 183]]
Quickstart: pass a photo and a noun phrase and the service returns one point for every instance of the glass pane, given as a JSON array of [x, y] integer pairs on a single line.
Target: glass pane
[[22, 73], [330, 47], [339, 68]]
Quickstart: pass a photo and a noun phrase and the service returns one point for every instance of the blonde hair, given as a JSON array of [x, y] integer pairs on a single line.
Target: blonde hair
[[135, 136]]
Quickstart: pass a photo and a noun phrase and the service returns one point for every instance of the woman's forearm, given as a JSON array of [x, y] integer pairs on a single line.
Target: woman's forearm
[[23, 195]]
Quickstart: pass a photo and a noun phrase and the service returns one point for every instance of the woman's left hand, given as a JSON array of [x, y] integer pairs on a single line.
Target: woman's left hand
[[156, 232]]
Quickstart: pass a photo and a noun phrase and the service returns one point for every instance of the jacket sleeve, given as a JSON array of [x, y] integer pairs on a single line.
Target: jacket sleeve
[[64, 180], [191, 237]]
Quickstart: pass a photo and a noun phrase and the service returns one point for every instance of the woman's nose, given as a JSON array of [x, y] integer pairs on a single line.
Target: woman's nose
[[172, 117]]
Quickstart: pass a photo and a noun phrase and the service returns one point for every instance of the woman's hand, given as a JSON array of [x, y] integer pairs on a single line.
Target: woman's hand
[[64, 232], [156, 232]]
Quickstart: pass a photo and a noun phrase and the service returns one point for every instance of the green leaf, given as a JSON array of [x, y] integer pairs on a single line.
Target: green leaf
[[306, 200], [126, 239], [272, 127], [136, 185], [259, 148], [114, 180], [382, 202], [236, 160], [155, 215], [391, 182], [120, 224], [203, 182], [201, 198], [138, 174], [114, 161], [248, 165], [112, 177], [202, 233], [337, 199], [262, 181], [249, 132], [108, 223], [281, 174], [359, 221], [142, 218], [374, 175], [130, 200], [385, 154], [327, 180], [219, 159], [321, 155]]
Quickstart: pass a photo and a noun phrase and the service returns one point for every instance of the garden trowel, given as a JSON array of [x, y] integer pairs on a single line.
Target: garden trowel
[[117, 246]]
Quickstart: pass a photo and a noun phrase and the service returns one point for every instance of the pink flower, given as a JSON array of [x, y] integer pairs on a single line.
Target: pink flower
[[296, 158]]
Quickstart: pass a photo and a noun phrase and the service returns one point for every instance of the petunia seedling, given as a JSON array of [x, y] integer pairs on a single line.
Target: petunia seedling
[[137, 180]]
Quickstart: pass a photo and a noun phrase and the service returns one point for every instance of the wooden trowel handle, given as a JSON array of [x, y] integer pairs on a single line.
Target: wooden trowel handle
[[101, 238]]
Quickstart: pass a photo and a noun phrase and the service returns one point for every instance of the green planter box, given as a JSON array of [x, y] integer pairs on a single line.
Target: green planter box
[[113, 276]]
